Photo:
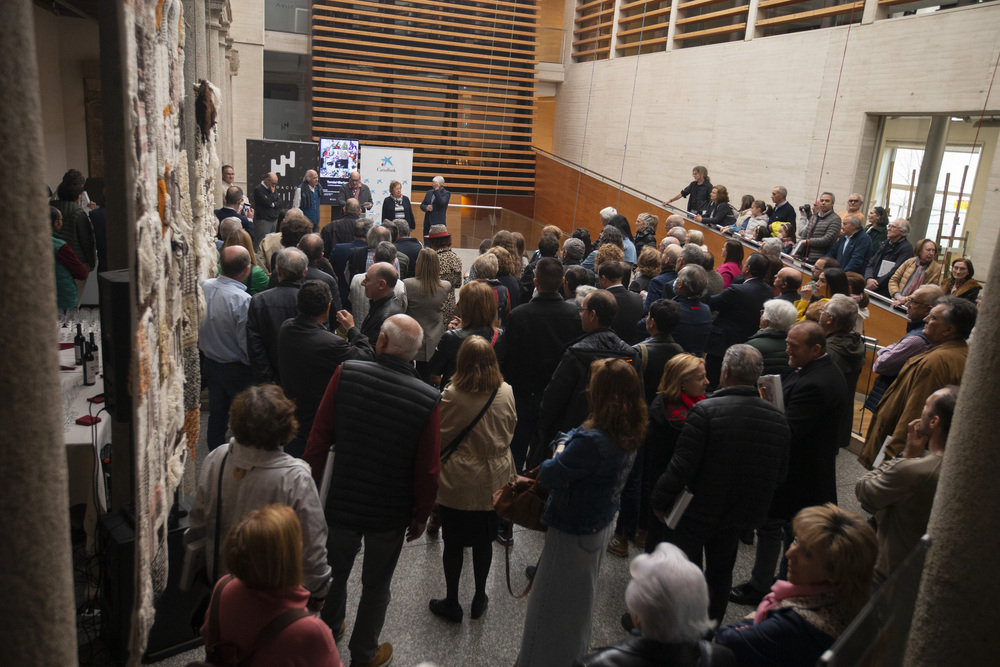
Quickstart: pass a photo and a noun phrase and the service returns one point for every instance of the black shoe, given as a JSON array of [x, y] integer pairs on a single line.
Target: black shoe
[[529, 571], [450, 611], [746, 594], [746, 536], [479, 605], [505, 535]]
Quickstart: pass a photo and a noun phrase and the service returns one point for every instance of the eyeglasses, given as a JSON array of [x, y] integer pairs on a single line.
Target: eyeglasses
[[581, 309], [854, 201]]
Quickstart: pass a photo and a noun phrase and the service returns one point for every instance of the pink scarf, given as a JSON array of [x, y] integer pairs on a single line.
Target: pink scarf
[[782, 590]]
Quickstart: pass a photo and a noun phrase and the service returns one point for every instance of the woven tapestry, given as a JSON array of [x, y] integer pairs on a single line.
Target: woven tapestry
[[174, 253]]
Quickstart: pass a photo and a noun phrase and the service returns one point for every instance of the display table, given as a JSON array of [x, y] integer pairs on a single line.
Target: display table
[[83, 443]]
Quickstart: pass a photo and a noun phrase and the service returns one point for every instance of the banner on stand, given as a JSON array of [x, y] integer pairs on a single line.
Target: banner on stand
[[381, 165]]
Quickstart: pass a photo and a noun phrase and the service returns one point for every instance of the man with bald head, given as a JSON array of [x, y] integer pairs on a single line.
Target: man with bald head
[[379, 283], [386, 424], [265, 206], [353, 189], [675, 228], [788, 281], [222, 339], [307, 197], [319, 268], [854, 203]]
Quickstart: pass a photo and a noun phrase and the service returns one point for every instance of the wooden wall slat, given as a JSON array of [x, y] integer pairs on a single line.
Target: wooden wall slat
[[455, 81]]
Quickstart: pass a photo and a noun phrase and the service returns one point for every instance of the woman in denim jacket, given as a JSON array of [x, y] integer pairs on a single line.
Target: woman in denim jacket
[[586, 477]]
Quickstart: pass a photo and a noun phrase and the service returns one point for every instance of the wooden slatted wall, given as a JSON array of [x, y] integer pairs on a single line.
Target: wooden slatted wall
[[642, 27], [593, 26], [452, 79]]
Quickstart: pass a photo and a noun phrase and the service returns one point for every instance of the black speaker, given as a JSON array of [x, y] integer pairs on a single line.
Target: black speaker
[[116, 341], [172, 632]]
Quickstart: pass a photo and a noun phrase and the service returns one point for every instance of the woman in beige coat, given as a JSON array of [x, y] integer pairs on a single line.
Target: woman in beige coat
[[425, 298], [474, 464]]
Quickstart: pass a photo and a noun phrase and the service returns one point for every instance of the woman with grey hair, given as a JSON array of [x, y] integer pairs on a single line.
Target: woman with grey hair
[[668, 601], [777, 319], [645, 231]]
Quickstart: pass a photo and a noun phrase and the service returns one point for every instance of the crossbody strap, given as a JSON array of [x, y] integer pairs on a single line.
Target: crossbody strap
[[275, 627], [457, 440], [213, 614], [218, 520]]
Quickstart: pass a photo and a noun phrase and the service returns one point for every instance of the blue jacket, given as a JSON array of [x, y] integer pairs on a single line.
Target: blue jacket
[[783, 638], [856, 255], [586, 479]]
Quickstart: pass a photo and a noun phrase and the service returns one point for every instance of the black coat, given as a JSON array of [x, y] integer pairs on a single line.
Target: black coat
[[389, 211], [887, 252], [537, 333], [268, 311], [738, 308], [731, 454], [308, 354], [630, 311], [410, 247], [652, 355], [446, 353], [226, 212], [814, 403], [265, 203], [564, 403]]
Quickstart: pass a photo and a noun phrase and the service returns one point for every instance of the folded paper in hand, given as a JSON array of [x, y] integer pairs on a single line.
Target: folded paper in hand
[[677, 511]]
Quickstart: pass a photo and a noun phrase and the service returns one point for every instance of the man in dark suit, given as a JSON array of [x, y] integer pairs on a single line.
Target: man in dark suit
[[407, 245], [738, 313], [265, 206], [308, 354], [610, 276], [814, 398], [783, 211], [269, 309], [341, 252], [356, 190], [231, 209], [537, 332], [890, 254], [312, 246], [341, 230], [435, 205], [854, 248]]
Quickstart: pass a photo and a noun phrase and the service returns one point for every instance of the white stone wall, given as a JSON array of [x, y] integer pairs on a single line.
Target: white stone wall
[[247, 33], [757, 113]]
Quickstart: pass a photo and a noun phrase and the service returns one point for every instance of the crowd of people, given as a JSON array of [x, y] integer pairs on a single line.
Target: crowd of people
[[622, 373]]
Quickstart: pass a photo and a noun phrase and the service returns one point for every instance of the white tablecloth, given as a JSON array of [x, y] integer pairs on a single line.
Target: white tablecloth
[[83, 443]]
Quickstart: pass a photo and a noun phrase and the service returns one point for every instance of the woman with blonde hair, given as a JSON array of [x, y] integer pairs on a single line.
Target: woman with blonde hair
[[608, 252], [426, 294], [259, 614], [478, 307], [477, 423], [258, 278], [830, 566], [504, 239], [586, 477], [682, 384], [506, 269]]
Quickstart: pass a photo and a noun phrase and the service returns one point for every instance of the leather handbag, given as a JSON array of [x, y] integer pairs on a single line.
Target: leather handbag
[[521, 502]]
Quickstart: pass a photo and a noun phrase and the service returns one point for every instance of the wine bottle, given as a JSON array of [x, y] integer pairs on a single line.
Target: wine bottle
[[89, 367], [79, 345], [96, 352]]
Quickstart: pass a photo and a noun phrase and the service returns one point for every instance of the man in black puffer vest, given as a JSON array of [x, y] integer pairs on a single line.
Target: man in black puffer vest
[[386, 424], [732, 454]]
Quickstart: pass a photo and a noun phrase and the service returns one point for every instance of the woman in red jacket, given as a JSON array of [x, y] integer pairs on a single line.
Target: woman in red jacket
[[264, 557]]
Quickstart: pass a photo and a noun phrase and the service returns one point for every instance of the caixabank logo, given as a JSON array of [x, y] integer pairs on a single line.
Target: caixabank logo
[[385, 165]]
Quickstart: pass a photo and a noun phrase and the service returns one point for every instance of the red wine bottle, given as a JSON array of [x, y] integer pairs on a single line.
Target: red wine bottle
[[79, 345]]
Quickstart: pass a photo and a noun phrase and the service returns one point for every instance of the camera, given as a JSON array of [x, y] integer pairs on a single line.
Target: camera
[[807, 210]]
